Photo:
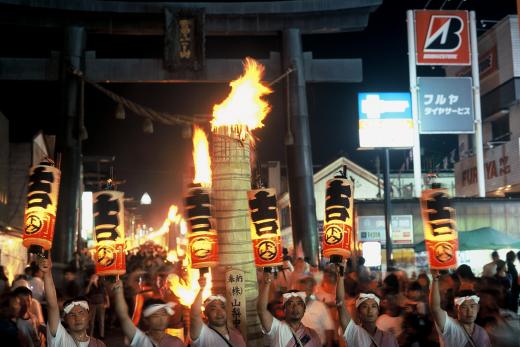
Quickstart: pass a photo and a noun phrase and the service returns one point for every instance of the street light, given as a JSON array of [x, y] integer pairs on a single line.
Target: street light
[[146, 199]]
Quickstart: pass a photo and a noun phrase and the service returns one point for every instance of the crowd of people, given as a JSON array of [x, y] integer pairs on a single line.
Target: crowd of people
[[298, 305]]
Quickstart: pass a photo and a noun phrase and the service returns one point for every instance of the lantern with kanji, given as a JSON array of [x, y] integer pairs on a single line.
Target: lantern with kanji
[[109, 232], [203, 243], [41, 206], [338, 226], [265, 228], [440, 233]]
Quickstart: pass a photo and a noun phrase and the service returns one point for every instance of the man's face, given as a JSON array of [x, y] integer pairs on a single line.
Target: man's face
[[15, 306], [216, 313], [414, 295], [77, 319], [467, 312], [69, 276], [294, 309], [25, 302], [158, 321], [368, 311]]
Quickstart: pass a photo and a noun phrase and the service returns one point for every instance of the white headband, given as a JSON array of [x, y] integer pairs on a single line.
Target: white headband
[[70, 306], [156, 307], [364, 297], [212, 298], [287, 296], [459, 300]]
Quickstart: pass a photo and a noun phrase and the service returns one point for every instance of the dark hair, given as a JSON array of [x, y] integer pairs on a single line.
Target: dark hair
[[5, 300], [500, 264], [415, 286], [465, 272], [361, 261], [465, 292], [510, 256], [68, 269], [22, 291], [494, 254]]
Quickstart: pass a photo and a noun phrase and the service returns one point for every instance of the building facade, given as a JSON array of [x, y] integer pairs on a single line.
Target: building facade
[[499, 63]]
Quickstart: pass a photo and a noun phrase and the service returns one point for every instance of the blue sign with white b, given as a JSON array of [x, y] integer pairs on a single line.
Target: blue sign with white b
[[385, 120]]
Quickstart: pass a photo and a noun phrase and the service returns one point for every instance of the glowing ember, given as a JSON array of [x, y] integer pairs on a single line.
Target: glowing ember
[[186, 288], [244, 109], [201, 158]]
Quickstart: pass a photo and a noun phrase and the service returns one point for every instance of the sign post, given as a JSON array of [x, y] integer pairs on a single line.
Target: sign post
[[479, 150], [416, 149]]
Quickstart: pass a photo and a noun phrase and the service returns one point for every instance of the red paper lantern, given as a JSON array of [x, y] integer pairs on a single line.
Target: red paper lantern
[[202, 237], [440, 233], [265, 228], [338, 226], [110, 233], [42, 203]]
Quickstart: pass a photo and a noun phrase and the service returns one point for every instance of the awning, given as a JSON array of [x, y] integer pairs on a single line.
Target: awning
[[481, 238]]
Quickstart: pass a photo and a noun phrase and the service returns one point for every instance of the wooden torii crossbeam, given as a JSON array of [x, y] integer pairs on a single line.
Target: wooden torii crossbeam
[[151, 70]]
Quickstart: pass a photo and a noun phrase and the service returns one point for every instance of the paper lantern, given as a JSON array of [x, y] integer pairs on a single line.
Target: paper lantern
[[203, 243], [338, 226], [440, 233], [265, 228], [40, 210], [109, 232]]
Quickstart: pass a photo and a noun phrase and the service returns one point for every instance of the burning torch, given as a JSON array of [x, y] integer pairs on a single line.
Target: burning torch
[[202, 244]]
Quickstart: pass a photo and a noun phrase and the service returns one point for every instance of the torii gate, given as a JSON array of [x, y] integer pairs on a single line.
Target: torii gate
[[290, 19]]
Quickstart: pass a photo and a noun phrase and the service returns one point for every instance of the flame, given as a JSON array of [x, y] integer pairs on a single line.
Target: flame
[[201, 158], [244, 109], [173, 215], [187, 287], [173, 218]]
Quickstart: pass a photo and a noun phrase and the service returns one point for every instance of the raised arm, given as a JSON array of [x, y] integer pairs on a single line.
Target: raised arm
[[121, 309], [266, 319], [439, 315], [344, 316], [195, 318], [53, 310]]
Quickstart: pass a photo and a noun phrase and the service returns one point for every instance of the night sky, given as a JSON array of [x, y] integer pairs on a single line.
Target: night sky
[[156, 163]]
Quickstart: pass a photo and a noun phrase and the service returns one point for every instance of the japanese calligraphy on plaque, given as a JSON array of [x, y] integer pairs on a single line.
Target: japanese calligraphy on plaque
[[440, 232], [236, 295], [184, 39]]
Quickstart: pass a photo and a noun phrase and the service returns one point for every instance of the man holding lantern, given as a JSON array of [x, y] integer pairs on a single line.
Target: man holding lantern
[[156, 314], [290, 332], [76, 316], [216, 332], [366, 333], [460, 332]]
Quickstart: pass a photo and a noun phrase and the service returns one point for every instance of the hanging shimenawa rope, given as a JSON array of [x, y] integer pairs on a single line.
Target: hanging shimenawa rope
[[143, 111], [146, 112]]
